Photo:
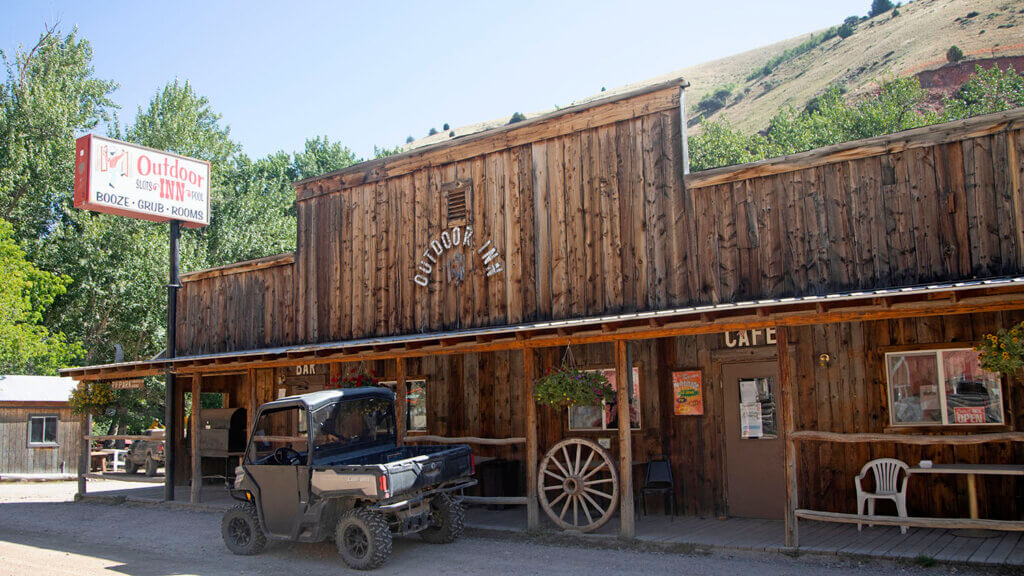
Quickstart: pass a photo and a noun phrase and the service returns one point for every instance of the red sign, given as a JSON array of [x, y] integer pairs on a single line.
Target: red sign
[[116, 177], [686, 390], [969, 414]]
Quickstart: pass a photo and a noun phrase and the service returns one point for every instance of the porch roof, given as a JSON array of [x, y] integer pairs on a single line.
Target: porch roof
[[995, 294]]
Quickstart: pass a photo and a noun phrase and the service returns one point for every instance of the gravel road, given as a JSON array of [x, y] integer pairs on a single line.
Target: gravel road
[[42, 532]]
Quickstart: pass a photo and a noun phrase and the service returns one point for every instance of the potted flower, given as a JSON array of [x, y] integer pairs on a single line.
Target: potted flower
[[1003, 351], [358, 378], [568, 386]]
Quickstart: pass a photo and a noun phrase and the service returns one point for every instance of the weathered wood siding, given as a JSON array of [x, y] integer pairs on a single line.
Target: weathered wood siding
[[237, 308], [584, 212], [15, 455], [918, 214], [850, 395]]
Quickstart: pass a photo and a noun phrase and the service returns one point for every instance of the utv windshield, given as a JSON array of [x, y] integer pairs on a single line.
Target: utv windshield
[[352, 425]]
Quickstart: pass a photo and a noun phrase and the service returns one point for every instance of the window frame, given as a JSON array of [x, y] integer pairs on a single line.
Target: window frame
[[940, 384], [407, 414], [56, 430], [638, 377]]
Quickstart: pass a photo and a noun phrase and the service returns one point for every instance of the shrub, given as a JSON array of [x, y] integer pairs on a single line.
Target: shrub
[[845, 31], [432, 132], [954, 54], [985, 92], [852, 20], [813, 42], [517, 117], [409, 139], [715, 100], [446, 126], [880, 7]]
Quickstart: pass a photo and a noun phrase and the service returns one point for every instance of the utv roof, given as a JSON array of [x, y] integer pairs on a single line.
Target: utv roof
[[316, 400]]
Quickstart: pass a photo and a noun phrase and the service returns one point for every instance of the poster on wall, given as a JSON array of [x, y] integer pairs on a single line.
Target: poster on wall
[[750, 420], [686, 391]]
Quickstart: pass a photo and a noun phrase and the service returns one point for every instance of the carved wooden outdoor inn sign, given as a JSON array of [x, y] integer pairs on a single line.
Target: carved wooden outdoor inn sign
[[447, 252]]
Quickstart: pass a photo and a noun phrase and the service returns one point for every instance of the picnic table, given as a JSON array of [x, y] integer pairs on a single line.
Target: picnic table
[[972, 471]]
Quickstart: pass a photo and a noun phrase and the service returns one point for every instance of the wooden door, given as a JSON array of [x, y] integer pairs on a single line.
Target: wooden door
[[754, 457]]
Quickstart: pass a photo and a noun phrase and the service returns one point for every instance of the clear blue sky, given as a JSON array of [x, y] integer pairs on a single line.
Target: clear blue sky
[[376, 72]]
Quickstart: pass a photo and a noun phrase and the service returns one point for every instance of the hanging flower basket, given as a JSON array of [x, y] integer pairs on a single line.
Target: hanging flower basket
[[569, 386], [93, 399], [1003, 351], [358, 378]]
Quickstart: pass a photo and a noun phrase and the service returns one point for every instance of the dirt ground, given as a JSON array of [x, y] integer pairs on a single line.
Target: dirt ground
[[42, 531]]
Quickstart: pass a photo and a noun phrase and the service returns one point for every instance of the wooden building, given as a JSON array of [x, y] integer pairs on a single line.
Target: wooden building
[[39, 435], [830, 289]]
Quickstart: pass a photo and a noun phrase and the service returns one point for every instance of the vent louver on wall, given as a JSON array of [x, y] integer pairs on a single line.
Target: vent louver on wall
[[457, 196]]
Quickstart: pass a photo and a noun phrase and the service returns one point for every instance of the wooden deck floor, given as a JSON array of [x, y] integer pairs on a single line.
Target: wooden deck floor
[[820, 537]]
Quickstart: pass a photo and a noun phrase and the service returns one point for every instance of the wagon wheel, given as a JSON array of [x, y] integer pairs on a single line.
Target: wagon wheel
[[577, 485]]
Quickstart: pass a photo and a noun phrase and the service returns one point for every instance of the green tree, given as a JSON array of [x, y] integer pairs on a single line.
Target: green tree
[[26, 346], [256, 216], [880, 7], [954, 54], [49, 96], [719, 145], [321, 156], [985, 92]]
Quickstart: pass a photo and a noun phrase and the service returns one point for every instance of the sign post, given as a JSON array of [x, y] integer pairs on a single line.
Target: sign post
[[125, 179], [170, 429]]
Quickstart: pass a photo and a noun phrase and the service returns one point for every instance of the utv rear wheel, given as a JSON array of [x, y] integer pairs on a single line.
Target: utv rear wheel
[[446, 518], [363, 539], [151, 466], [241, 530], [130, 467]]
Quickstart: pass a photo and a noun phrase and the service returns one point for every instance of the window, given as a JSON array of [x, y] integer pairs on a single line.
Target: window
[[42, 430], [942, 387], [415, 403], [280, 438], [352, 425], [606, 416]]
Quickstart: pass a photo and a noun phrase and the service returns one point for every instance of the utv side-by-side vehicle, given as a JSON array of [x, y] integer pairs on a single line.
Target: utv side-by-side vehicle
[[326, 465]]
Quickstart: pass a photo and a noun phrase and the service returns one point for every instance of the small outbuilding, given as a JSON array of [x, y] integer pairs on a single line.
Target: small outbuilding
[[39, 435]]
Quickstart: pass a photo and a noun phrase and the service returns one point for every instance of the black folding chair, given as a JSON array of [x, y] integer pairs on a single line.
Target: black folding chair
[[658, 480]]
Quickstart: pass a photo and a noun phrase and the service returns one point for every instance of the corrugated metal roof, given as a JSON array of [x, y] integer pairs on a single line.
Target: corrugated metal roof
[[17, 388]]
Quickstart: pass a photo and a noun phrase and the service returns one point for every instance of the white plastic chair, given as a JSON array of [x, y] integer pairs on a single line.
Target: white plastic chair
[[888, 486]]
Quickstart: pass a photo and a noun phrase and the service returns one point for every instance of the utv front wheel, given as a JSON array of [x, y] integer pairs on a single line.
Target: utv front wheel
[[130, 467], [446, 518], [363, 539], [241, 530], [151, 466]]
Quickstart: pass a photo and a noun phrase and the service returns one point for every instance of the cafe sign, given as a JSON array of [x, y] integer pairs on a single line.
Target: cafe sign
[[745, 338], [446, 255]]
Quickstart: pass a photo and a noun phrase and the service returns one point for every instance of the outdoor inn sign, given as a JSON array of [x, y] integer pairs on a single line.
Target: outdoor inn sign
[[446, 255]]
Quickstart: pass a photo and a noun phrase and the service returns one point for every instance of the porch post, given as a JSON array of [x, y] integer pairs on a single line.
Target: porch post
[[623, 377], [84, 456], [532, 510], [197, 462], [787, 421], [401, 394]]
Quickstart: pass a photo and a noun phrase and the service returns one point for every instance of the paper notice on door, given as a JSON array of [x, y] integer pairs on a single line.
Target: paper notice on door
[[748, 391], [750, 420]]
